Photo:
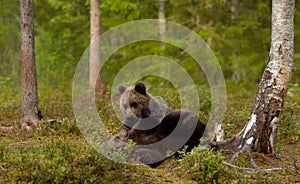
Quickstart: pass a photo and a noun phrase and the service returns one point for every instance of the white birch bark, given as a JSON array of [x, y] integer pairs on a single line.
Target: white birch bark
[[261, 130], [233, 9], [277, 74], [162, 19], [162, 28]]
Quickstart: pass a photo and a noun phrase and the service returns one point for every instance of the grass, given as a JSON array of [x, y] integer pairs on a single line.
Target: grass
[[58, 153]]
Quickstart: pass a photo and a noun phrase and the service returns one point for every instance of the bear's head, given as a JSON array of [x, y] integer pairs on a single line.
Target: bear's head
[[135, 100]]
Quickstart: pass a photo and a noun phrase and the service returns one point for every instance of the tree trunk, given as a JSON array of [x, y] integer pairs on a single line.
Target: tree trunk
[[95, 57], [31, 112], [261, 130], [162, 19], [162, 29], [234, 10], [238, 72]]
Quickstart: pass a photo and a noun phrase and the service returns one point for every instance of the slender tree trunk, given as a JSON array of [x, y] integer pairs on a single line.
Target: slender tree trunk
[[234, 10], [261, 130], [162, 28], [277, 75], [162, 19], [31, 112], [238, 72], [95, 57]]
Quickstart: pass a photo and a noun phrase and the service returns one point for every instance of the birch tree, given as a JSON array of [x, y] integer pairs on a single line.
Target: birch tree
[[162, 20], [95, 60], [31, 112], [260, 132]]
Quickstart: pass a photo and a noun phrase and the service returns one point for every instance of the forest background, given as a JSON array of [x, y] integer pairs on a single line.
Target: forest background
[[237, 31]]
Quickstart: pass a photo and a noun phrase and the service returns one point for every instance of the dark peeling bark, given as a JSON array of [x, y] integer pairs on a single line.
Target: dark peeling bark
[[261, 130], [30, 107]]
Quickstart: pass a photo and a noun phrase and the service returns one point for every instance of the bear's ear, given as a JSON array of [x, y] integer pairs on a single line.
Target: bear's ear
[[140, 88], [122, 88]]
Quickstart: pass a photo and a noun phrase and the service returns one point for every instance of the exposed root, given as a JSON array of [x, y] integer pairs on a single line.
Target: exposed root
[[252, 160], [6, 129], [27, 126], [237, 154], [253, 170], [220, 144], [246, 148], [51, 122]]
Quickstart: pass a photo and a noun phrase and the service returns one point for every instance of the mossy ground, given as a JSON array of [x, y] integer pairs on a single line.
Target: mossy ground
[[59, 153]]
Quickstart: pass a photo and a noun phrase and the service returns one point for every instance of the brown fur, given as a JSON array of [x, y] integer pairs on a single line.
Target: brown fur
[[141, 100], [183, 120], [135, 102]]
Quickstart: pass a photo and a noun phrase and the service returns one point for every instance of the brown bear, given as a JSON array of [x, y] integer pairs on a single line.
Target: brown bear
[[157, 130]]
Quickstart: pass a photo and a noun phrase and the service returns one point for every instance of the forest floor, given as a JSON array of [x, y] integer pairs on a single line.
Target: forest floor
[[58, 152]]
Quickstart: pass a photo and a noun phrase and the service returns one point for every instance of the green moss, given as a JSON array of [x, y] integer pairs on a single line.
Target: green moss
[[58, 153]]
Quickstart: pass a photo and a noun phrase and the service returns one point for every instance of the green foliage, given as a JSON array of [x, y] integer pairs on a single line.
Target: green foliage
[[240, 39], [9, 42], [62, 32], [290, 131], [205, 166], [59, 154], [55, 160]]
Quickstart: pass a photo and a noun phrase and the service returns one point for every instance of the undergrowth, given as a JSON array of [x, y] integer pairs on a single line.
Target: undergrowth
[[58, 153]]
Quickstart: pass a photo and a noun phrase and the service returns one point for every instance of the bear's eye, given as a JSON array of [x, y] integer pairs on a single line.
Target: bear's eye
[[133, 104]]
